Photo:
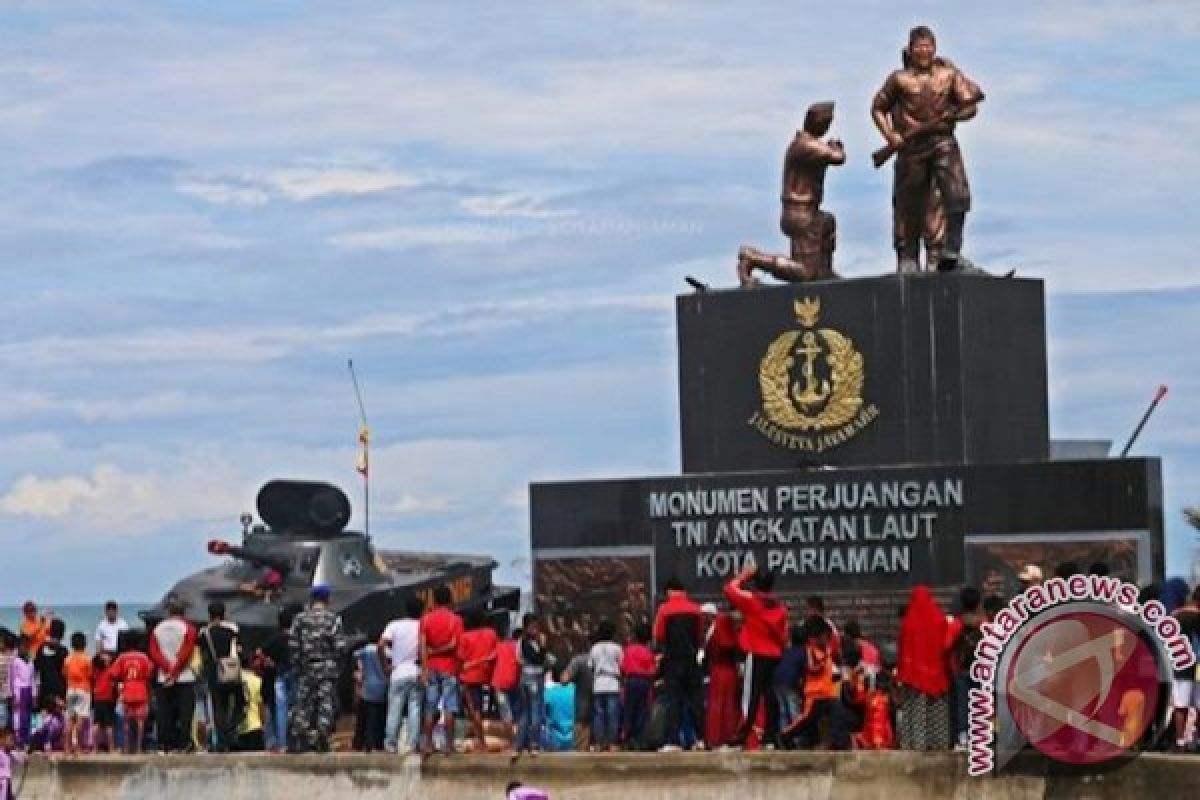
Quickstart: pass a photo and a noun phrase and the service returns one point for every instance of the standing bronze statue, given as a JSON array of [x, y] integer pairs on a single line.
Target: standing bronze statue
[[813, 232], [916, 110]]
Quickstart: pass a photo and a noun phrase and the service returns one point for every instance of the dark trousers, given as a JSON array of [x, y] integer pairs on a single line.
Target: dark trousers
[[842, 721], [251, 742], [683, 685], [176, 706], [636, 708], [228, 703], [762, 690], [370, 724]]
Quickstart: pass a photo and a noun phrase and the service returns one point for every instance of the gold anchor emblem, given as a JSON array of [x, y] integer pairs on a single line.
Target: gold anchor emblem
[[812, 403], [814, 392]]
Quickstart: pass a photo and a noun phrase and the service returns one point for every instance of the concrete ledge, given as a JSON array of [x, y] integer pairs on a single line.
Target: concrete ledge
[[694, 776]]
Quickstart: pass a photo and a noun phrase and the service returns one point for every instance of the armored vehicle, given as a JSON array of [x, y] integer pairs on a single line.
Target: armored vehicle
[[303, 542]]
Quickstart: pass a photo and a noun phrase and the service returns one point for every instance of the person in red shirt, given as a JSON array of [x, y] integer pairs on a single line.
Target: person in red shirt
[[104, 698], [133, 670], [638, 669], [721, 655], [678, 630], [477, 653], [763, 635], [923, 675], [506, 679], [440, 632]]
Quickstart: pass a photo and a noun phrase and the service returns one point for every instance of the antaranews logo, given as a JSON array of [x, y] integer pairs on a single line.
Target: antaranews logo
[[1077, 668]]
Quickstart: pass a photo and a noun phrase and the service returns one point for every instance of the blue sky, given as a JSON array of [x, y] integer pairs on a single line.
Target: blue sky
[[210, 206]]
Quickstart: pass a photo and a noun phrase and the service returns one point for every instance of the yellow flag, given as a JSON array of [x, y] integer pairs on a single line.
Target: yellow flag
[[362, 464]]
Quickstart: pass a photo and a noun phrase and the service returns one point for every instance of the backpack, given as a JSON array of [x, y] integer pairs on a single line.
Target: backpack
[[962, 652], [229, 668]]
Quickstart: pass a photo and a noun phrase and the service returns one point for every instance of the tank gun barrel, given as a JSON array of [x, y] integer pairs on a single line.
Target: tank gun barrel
[[278, 563]]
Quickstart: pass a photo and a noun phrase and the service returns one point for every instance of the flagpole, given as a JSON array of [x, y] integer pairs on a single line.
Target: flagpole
[[364, 439]]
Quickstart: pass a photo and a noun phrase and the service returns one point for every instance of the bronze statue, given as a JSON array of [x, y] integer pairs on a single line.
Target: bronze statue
[[916, 110], [813, 232]]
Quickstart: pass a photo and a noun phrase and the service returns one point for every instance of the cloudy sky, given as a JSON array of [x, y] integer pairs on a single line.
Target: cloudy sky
[[209, 206]]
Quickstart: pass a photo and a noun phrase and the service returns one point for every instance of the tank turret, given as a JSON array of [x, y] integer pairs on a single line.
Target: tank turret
[[304, 541], [301, 508]]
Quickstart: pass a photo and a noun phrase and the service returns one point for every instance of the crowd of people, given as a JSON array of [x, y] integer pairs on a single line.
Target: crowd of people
[[750, 673]]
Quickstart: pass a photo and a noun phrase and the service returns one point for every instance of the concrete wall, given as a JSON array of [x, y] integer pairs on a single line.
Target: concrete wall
[[690, 776]]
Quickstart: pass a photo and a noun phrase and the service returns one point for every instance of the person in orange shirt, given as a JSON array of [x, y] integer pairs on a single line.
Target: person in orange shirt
[[77, 670], [821, 691], [35, 626]]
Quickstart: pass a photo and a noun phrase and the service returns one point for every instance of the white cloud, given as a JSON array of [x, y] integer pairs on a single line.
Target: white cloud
[[512, 204], [118, 503], [296, 184], [137, 406], [409, 503], [254, 343]]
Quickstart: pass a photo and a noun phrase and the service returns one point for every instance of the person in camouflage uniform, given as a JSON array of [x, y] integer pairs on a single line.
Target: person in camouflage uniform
[[316, 645]]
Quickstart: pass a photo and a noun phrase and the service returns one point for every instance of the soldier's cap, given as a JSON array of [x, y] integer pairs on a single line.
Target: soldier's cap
[[320, 592]]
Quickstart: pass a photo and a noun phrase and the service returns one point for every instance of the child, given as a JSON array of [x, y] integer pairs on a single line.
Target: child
[[6, 657], [133, 670], [371, 683], [250, 731], [638, 668], [605, 662], [104, 700], [48, 737], [10, 756], [48, 661], [531, 652], [877, 732], [77, 670], [20, 682]]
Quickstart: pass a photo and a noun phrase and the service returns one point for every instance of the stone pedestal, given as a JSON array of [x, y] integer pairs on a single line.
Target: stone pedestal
[[855, 437], [938, 369]]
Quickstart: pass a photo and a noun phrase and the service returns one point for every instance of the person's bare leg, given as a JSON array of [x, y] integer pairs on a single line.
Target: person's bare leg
[[475, 714], [449, 733]]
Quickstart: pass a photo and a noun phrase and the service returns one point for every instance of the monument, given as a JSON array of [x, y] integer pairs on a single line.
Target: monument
[[855, 436]]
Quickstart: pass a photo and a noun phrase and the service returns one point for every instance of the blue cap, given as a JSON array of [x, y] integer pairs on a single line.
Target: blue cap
[[320, 592]]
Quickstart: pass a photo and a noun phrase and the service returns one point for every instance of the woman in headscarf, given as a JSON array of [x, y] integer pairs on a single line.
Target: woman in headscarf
[[924, 718]]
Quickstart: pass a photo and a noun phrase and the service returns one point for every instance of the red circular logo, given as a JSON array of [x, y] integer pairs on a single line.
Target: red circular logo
[[1083, 687]]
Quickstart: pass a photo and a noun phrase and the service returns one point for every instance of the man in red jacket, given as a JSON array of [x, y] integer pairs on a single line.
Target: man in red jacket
[[763, 636], [678, 631]]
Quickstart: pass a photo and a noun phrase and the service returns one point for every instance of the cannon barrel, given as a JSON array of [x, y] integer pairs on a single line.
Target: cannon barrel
[[280, 564]]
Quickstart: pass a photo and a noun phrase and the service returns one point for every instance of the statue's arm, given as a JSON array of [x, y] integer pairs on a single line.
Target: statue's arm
[[967, 97], [881, 109]]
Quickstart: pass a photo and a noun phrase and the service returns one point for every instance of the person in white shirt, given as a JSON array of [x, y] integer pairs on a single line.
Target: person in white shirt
[[110, 628], [399, 646]]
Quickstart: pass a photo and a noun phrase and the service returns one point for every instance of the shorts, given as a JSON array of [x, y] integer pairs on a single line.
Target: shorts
[[105, 713], [79, 703], [1185, 694], [137, 711], [441, 692]]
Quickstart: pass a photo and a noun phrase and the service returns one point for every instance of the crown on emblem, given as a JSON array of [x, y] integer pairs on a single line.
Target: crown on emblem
[[807, 311]]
